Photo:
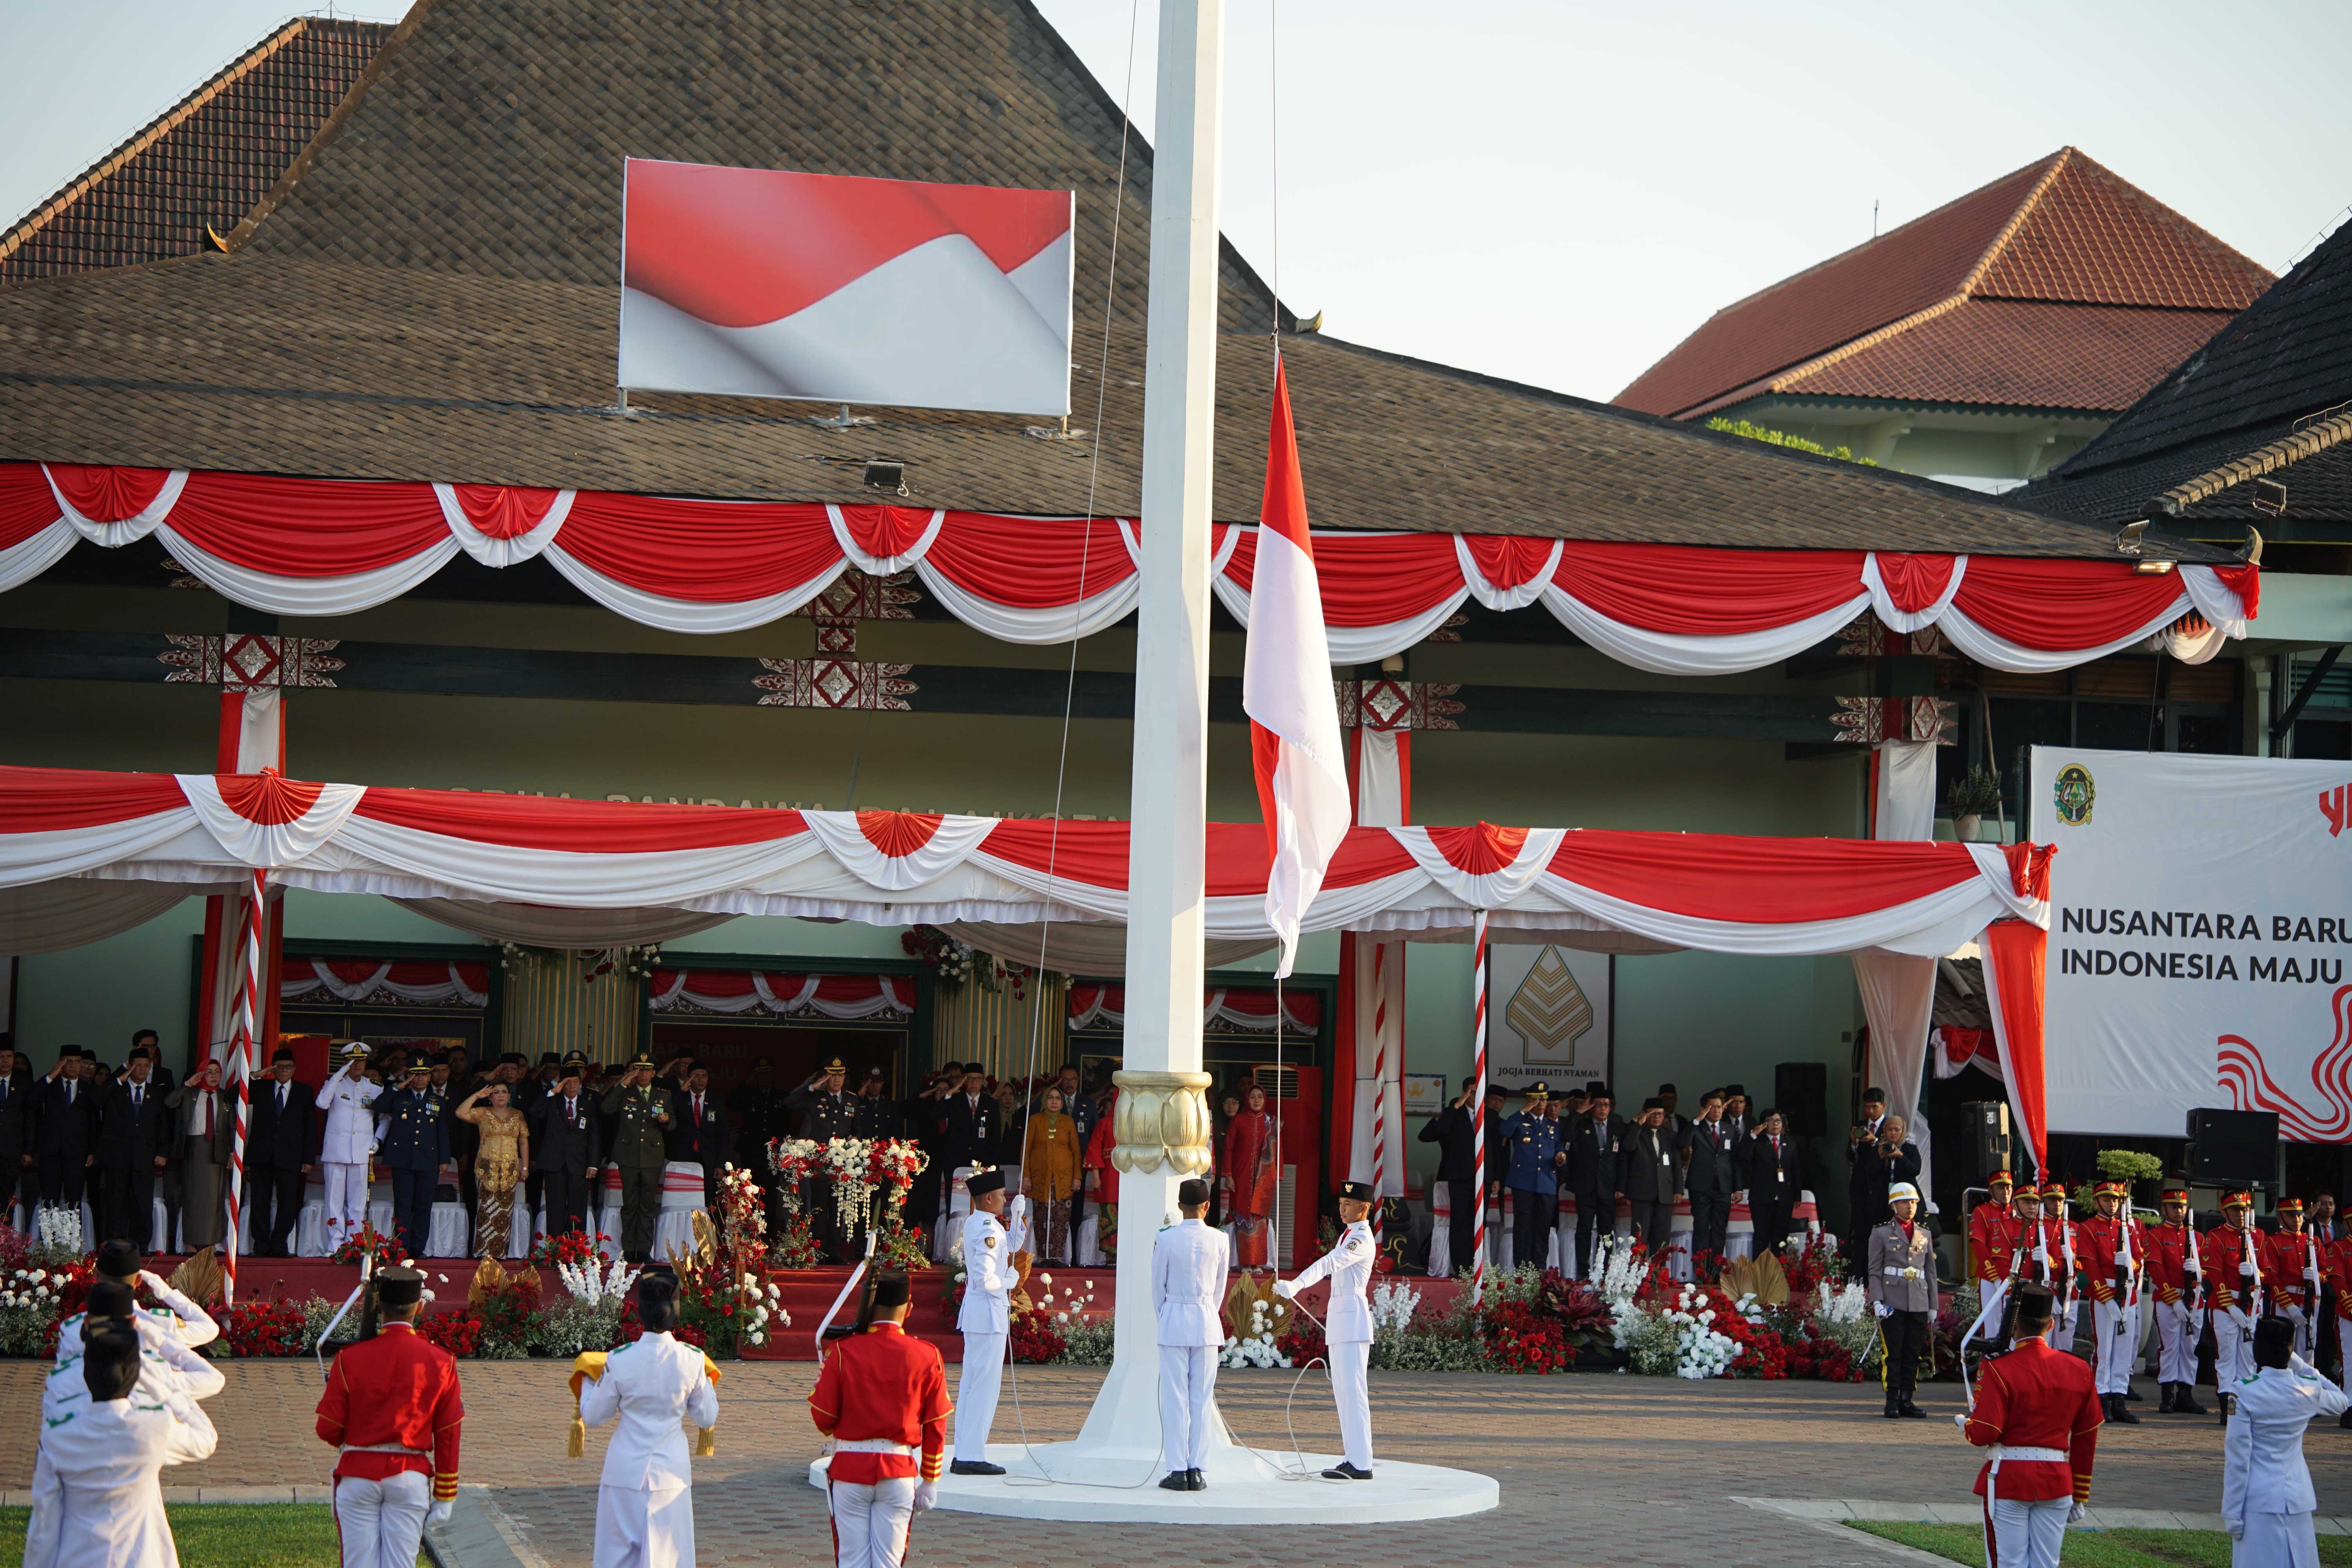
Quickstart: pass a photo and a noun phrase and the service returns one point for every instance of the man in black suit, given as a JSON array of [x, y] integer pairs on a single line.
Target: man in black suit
[[1774, 1180], [970, 1123], [697, 1131], [564, 1147], [16, 1151], [924, 1116], [1652, 1177], [65, 1117], [134, 1128], [1592, 1175], [1713, 1176], [278, 1153], [1451, 1130], [159, 1076]]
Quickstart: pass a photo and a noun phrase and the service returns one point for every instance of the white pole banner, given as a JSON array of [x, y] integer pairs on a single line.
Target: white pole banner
[[2201, 924]]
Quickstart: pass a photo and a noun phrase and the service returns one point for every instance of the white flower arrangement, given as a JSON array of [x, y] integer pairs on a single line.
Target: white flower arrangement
[[1258, 1348], [1679, 1341], [762, 1305], [61, 1229], [1842, 1314], [27, 1287], [1616, 1272], [1392, 1307], [850, 1163], [597, 1280]]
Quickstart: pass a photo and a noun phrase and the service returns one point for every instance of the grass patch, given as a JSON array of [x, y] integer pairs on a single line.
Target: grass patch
[[2094, 1548], [226, 1535]]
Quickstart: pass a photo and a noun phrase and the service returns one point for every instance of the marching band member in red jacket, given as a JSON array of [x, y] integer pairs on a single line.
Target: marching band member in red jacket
[[391, 1407], [2175, 1273], [2237, 1271], [2038, 1414], [2113, 1252], [1993, 1231], [882, 1398]]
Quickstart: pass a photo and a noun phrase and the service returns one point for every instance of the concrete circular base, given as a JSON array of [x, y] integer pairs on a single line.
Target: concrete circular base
[[1245, 1486]]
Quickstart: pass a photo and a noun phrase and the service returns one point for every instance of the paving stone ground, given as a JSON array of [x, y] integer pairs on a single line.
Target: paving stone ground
[[1594, 1468]]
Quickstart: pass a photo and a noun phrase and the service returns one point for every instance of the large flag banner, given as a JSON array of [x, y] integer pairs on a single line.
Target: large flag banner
[[770, 283], [1302, 775], [2199, 932]]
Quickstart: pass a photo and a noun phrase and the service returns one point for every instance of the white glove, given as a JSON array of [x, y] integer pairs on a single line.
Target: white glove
[[1882, 1309], [2076, 1513], [155, 1283], [1285, 1289], [439, 1514], [926, 1495], [1018, 1208], [1961, 1421], [2238, 1528]]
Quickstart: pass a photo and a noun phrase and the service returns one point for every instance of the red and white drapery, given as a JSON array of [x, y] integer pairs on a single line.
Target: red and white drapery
[[323, 547], [1246, 1008], [755, 993], [1956, 1050], [1368, 1141], [389, 983]]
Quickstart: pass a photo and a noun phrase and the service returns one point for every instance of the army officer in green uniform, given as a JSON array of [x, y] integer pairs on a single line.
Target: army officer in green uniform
[[642, 1111]]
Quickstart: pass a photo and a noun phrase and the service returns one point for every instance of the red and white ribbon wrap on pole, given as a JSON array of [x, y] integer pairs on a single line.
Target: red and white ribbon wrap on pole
[[1380, 1082], [1302, 775], [248, 1013], [1478, 1116]]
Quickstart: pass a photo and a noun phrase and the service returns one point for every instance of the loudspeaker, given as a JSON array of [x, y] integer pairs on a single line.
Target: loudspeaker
[[2233, 1148], [1988, 1147], [1801, 1091]]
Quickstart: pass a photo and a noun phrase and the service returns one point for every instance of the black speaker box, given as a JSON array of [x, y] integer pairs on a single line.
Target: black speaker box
[[1989, 1148], [2233, 1148], [1802, 1090]]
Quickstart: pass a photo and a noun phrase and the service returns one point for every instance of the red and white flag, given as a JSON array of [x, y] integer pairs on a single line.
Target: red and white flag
[[770, 283], [1302, 777]]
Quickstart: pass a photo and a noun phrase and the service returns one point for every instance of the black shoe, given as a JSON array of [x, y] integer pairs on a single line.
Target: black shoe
[[1894, 1407], [2135, 1396], [2345, 1420], [2185, 1402], [2224, 1402], [2120, 1413], [1177, 1482], [974, 1468], [1344, 1471], [1195, 1481], [1909, 1411], [2164, 1404]]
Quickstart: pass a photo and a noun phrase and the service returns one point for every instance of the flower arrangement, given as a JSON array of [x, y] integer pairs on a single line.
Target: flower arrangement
[[793, 1160], [1034, 1340], [724, 1293], [849, 1163], [1679, 1340], [597, 1280], [1810, 1262], [901, 1246], [893, 1164], [1392, 1306], [574, 1247], [1256, 1348], [60, 1228], [369, 1242], [795, 1244], [32, 1303], [265, 1328], [957, 962]]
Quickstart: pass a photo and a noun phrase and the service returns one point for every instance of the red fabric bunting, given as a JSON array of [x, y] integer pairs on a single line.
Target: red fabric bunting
[[1695, 592], [1914, 582], [105, 494], [886, 531], [897, 833], [266, 797], [1028, 563], [319, 527], [55, 800], [1759, 880], [2059, 605], [1370, 579], [26, 507], [1507, 560], [703, 551], [534, 821], [1479, 851], [504, 511]]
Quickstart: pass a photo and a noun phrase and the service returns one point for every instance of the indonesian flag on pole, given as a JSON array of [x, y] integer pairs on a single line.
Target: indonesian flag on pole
[[770, 283], [1302, 779]]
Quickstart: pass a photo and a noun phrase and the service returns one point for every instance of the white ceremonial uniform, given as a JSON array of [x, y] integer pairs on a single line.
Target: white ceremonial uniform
[[2266, 1497], [645, 1501], [174, 1330], [104, 1505], [985, 1321], [1189, 1263], [1348, 1334], [344, 1152]]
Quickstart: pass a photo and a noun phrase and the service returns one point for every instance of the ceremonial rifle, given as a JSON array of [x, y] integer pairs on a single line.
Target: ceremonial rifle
[[2194, 1261]]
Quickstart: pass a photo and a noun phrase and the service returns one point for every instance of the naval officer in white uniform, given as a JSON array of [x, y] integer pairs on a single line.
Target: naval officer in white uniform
[[348, 1146], [990, 1274], [1189, 1263], [2266, 1497], [1348, 1327]]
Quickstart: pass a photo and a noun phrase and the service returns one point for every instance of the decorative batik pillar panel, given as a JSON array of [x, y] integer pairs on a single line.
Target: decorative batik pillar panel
[[971, 1022], [552, 1004]]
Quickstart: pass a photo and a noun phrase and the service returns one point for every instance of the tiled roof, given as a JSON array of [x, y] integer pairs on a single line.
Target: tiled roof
[[2063, 232], [2263, 388], [204, 163], [434, 296], [2018, 353]]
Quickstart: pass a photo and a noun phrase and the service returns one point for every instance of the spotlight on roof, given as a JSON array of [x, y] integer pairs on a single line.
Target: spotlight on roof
[[882, 475], [2127, 537], [2270, 497]]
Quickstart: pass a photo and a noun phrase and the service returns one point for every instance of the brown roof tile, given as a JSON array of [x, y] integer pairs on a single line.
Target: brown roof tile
[[205, 161], [2064, 231]]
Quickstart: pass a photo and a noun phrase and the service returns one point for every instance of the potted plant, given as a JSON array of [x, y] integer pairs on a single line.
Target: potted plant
[[1969, 797]]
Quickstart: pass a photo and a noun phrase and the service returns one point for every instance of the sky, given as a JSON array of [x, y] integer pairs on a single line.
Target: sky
[[1552, 190]]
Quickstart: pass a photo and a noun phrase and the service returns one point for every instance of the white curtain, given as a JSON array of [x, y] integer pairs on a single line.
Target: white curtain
[[48, 916], [1898, 990], [1079, 947], [1906, 789], [536, 925]]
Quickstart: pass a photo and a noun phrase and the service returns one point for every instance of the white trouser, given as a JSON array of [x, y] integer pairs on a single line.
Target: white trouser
[[2302, 1322], [2276, 1541], [2176, 1324], [2063, 1325], [870, 1521], [2344, 1354], [2024, 1534], [2115, 1345], [1350, 1359], [1188, 1382], [2234, 1348], [382, 1523], [346, 1201], [636, 1528], [975, 1410]]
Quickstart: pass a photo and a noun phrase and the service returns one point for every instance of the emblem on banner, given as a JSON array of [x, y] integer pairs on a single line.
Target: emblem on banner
[[1549, 1010], [2074, 794]]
